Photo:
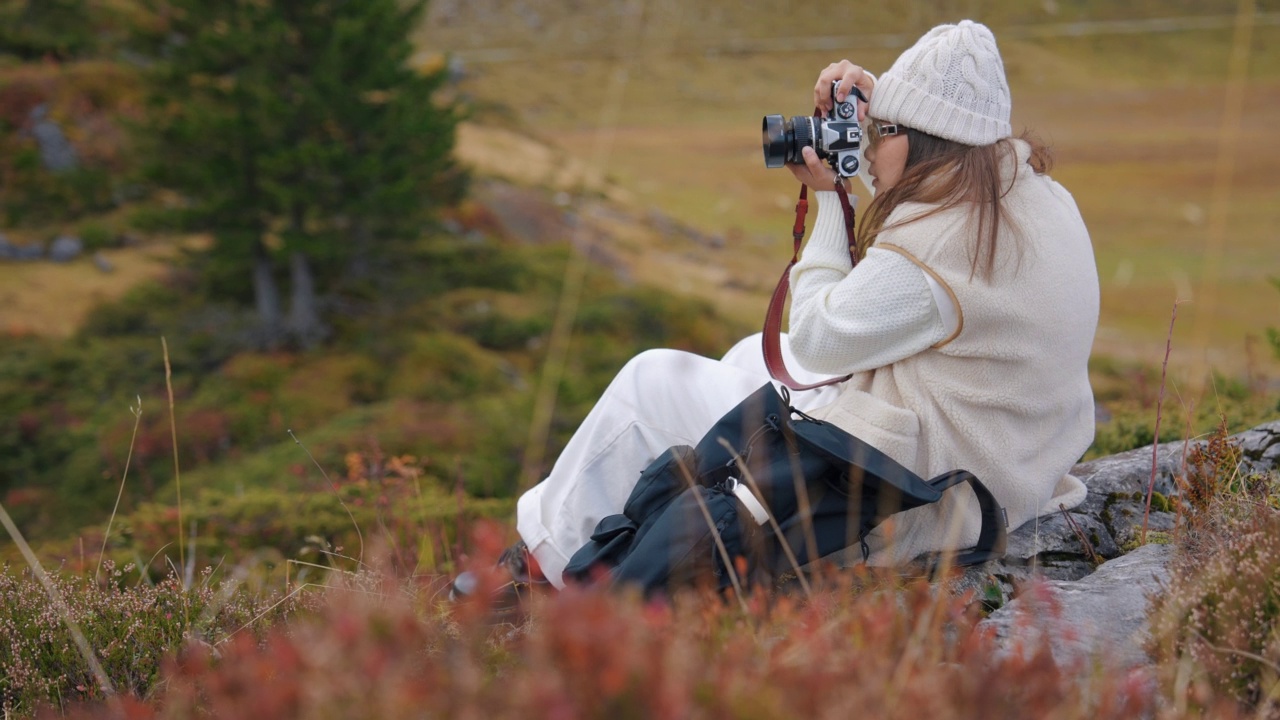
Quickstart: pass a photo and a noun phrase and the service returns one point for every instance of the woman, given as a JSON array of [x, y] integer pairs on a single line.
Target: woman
[[968, 322]]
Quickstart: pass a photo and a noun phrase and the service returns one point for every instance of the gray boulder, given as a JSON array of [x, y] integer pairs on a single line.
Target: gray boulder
[[1102, 616], [1111, 515], [57, 154], [34, 251], [1086, 610], [66, 248], [1110, 518]]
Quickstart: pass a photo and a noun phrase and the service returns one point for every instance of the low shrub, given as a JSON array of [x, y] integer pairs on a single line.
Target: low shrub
[[1132, 424], [388, 500], [444, 366], [96, 235], [388, 649], [1216, 629], [131, 627]]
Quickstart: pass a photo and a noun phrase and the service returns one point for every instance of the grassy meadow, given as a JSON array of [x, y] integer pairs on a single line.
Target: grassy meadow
[[328, 495], [1135, 121]]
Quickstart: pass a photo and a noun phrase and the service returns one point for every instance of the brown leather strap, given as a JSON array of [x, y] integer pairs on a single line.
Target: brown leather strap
[[773, 316]]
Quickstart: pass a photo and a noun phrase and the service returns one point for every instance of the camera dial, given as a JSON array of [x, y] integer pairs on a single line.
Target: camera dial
[[837, 137]]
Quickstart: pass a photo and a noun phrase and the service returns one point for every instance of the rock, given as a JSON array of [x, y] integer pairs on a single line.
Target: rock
[[102, 263], [1262, 442], [1104, 614], [1053, 535], [6, 250], [1128, 474], [1111, 516], [66, 248], [1083, 612], [457, 70], [35, 251], [57, 154]]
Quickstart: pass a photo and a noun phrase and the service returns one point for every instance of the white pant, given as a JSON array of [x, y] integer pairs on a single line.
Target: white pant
[[660, 398]]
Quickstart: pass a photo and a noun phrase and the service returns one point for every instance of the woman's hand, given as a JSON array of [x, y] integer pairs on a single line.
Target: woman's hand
[[815, 173], [849, 75]]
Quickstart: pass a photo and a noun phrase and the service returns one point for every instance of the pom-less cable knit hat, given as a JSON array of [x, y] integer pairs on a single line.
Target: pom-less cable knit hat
[[950, 84]]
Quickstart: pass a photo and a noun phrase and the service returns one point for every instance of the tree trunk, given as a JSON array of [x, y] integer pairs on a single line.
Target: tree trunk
[[266, 297], [304, 317]]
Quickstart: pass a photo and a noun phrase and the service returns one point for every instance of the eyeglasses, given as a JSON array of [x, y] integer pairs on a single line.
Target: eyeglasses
[[877, 132]]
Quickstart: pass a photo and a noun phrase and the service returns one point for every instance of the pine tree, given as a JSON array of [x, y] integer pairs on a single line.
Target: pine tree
[[34, 29], [297, 131]]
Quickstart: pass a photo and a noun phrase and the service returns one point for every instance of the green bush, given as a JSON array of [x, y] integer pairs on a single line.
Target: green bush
[[1132, 424], [444, 366], [1128, 430], [131, 627], [151, 217], [39, 28], [390, 500], [34, 195], [96, 236]]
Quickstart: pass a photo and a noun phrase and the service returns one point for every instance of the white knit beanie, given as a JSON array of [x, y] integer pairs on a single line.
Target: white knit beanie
[[949, 84]]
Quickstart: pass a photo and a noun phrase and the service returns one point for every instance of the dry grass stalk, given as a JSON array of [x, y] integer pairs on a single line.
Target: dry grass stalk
[[336, 493], [173, 431], [575, 274], [137, 419], [715, 535], [773, 521], [1155, 442], [1075, 527]]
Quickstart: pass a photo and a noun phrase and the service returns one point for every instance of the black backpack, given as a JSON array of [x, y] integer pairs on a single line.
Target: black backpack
[[664, 538]]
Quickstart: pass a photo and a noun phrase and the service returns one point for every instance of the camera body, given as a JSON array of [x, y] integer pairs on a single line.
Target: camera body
[[837, 137]]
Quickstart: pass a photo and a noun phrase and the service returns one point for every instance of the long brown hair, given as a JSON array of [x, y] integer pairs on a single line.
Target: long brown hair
[[948, 174]]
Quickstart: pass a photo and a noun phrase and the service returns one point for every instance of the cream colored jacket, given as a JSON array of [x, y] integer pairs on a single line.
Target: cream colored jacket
[[1005, 395]]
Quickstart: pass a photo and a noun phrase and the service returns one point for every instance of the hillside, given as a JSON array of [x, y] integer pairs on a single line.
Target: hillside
[[664, 100], [656, 105]]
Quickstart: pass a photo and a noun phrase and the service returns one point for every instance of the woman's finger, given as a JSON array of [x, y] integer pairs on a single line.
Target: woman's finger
[[861, 79], [822, 90], [852, 77], [814, 164]]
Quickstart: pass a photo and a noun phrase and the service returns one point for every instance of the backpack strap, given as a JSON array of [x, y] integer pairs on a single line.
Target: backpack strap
[[993, 537]]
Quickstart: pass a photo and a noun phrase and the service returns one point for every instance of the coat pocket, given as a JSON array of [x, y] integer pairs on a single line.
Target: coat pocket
[[893, 430]]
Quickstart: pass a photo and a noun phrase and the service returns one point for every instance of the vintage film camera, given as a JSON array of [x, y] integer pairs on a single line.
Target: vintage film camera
[[837, 138]]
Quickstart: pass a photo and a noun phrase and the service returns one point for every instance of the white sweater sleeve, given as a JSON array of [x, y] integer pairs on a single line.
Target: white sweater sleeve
[[846, 319]]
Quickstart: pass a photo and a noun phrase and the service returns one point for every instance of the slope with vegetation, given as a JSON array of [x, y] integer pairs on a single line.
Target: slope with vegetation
[[434, 324], [356, 331]]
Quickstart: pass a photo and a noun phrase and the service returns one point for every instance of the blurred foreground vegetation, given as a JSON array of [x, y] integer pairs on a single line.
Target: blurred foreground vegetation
[[382, 641]]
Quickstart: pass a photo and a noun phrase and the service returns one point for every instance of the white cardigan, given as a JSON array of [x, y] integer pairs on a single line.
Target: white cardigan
[[1002, 390]]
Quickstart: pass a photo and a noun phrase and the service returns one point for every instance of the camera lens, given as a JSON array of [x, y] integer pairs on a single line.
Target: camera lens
[[776, 137], [783, 140]]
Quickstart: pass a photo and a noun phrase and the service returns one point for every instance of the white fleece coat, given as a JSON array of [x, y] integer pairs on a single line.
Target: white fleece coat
[[1007, 395]]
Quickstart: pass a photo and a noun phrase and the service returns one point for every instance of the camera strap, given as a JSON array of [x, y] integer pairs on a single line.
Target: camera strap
[[773, 316]]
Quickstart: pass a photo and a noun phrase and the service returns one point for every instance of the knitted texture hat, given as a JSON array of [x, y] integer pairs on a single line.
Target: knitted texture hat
[[949, 84]]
